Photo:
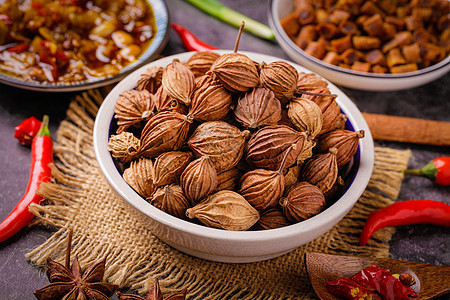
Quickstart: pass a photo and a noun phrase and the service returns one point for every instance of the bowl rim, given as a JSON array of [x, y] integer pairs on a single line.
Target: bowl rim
[[274, 21], [339, 208], [162, 20]]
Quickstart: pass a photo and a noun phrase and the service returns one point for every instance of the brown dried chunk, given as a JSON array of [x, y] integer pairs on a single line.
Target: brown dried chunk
[[374, 25], [166, 131], [200, 62], [321, 170], [366, 42], [220, 141], [150, 80], [199, 179], [303, 201], [178, 82], [169, 166], [225, 210], [171, 199], [345, 141], [339, 45], [258, 108], [133, 107]]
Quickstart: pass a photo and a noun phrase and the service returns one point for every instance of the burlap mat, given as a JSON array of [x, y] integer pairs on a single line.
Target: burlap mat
[[79, 197]]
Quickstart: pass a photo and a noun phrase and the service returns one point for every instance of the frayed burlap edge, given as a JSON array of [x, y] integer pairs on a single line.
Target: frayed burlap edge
[[79, 197]]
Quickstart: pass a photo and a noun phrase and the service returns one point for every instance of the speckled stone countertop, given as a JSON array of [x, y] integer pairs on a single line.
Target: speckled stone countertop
[[419, 243]]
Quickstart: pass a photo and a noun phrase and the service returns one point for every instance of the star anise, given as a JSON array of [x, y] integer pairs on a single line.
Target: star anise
[[154, 294], [69, 283]]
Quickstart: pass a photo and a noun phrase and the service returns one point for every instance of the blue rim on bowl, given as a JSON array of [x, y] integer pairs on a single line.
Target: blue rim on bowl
[[332, 72], [252, 245], [158, 43]]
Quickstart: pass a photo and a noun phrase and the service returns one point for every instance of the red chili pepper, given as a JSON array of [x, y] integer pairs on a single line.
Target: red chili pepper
[[41, 157], [406, 213], [27, 130], [190, 41], [18, 48], [6, 19], [349, 289], [438, 170]]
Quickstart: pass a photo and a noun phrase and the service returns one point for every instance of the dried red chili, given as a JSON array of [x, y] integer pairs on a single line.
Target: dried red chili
[[27, 130], [371, 283], [438, 170], [190, 41], [41, 157], [406, 213]]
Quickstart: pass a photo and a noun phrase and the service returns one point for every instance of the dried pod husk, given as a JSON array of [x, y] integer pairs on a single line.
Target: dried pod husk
[[199, 179], [262, 188], [345, 141], [306, 115], [133, 107], [210, 101], [281, 78], [225, 210], [164, 102], [331, 112], [139, 175], [165, 131], [310, 81], [178, 82], [307, 151], [302, 201], [150, 80], [321, 170], [171, 199], [266, 148], [258, 108], [200, 62], [291, 176], [228, 180], [271, 218], [221, 142], [336, 189], [123, 146], [169, 166], [237, 72]]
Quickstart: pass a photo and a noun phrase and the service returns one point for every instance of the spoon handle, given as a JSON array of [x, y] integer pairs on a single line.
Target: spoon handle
[[435, 278]]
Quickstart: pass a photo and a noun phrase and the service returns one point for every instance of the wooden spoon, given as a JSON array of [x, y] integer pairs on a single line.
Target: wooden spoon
[[431, 281]]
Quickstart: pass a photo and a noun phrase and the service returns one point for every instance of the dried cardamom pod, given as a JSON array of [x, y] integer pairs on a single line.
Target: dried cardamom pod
[[310, 81], [225, 210], [200, 62], [267, 146], [302, 201], [237, 72], [164, 102], [345, 141], [178, 82], [123, 146], [169, 166], [171, 199], [307, 151], [228, 180], [221, 142], [165, 131], [210, 101], [291, 176], [281, 78], [258, 108], [306, 115], [133, 107], [139, 175], [150, 80], [271, 218], [199, 179], [321, 170], [262, 188], [331, 112]]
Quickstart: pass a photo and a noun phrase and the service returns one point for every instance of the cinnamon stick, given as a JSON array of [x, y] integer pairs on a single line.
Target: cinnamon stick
[[408, 130]]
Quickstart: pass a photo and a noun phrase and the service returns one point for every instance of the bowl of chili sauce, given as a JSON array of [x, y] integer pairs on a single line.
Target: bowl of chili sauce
[[64, 46]]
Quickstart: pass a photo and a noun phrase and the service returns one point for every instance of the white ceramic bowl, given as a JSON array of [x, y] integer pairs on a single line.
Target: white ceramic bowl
[[158, 43], [345, 77], [221, 245]]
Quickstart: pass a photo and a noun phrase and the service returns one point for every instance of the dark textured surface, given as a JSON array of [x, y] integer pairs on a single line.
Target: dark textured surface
[[420, 243]]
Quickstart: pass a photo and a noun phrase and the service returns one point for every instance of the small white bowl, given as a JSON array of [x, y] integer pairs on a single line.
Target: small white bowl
[[221, 245], [342, 76]]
